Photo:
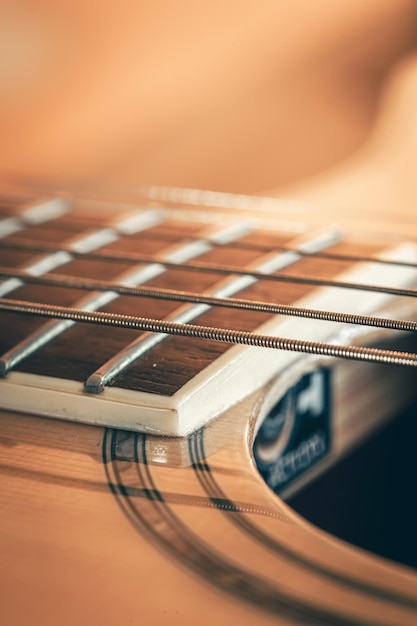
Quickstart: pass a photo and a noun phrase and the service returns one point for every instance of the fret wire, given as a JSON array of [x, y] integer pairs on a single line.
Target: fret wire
[[79, 245], [201, 298], [145, 218], [357, 353], [95, 300], [53, 328], [10, 226], [120, 257], [119, 225], [39, 213], [229, 269], [229, 286]]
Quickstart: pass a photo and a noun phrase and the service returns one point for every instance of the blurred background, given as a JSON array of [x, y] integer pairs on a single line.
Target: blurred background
[[314, 100]]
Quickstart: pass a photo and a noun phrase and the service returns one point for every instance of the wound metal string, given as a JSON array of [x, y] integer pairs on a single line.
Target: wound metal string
[[356, 353], [201, 298], [227, 270], [18, 244]]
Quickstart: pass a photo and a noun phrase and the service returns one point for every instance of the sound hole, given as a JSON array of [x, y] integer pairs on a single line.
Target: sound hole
[[368, 498]]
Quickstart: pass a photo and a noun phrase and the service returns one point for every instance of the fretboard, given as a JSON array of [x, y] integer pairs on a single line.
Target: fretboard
[[136, 379]]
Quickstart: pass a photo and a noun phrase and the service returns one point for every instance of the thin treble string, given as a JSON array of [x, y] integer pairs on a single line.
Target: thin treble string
[[18, 244], [356, 353], [331, 256], [124, 257], [88, 284], [238, 244]]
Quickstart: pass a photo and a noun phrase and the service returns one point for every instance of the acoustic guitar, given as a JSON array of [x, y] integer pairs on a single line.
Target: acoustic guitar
[[175, 365]]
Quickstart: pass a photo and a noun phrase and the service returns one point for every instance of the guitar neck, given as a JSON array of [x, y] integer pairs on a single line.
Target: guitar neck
[[90, 251]]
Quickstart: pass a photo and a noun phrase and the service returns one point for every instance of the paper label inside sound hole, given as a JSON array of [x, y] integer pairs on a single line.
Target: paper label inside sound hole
[[295, 435]]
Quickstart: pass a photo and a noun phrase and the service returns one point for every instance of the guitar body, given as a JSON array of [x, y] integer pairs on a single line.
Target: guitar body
[[94, 530], [103, 525]]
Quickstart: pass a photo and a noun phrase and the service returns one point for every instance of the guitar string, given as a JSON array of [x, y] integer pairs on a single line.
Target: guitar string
[[239, 244], [225, 269], [135, 275], [20, 244], [230, 286], [83, 241], [234, 336], [357, 353], [201, 298]]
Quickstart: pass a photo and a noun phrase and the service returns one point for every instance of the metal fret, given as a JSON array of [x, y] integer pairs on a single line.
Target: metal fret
[[93, 240], [9, 226], [45, 211], [56, 258], [78, 246], [96, 300], [357, 353], [52, 329], [185, 314], [120, 361], [42, 266], [48, 263], [40, 337], [35, 214], [139, 221]]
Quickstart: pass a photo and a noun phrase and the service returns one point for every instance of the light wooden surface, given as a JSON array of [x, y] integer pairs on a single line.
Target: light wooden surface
[[73, 551]]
